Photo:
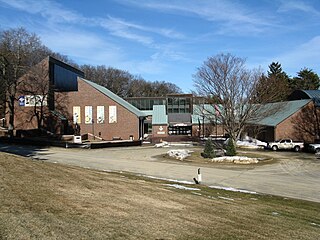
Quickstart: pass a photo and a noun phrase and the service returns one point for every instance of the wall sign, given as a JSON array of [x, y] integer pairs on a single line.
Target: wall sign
[[21, 101], [32, 100], [161, 130]]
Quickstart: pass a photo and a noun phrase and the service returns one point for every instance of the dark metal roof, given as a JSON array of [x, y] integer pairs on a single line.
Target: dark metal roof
[[306, 94]]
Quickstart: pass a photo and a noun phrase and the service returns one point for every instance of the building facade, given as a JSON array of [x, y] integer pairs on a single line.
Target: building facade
[[56, 98]]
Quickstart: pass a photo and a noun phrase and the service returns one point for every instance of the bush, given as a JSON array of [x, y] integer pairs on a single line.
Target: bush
[[208, 151], [231, 149]]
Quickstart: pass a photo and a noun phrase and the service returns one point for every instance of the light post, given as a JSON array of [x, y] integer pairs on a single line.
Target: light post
[[93, 130]]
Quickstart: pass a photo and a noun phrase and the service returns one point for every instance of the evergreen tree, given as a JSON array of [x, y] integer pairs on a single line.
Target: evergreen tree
[[306, 80], [231, 149], [208, 151], [279, 81]]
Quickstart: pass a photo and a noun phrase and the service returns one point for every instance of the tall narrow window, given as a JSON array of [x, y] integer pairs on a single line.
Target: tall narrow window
[[88, 114], [112, 114], [100, 114], [76, 114]]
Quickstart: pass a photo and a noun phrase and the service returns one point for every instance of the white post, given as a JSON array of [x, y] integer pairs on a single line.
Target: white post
[[199, 176]]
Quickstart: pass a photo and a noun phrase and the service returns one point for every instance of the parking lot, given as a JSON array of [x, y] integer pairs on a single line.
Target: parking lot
[[295, 175]]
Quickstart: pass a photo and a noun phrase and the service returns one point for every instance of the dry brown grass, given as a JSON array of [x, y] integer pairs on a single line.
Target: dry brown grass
[[40, 200]]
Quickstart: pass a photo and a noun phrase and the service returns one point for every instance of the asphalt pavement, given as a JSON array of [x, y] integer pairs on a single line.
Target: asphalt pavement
[[295, 175]]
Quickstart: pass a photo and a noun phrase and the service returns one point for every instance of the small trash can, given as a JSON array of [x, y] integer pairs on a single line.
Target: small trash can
[[77, 139]]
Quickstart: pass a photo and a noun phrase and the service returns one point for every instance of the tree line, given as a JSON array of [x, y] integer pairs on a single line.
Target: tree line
[[223, 79], [276, 85], [20, 50], [242, 94], [125, 84]]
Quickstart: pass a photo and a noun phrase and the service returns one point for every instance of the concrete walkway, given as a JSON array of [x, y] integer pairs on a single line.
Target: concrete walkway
[[295, 175]]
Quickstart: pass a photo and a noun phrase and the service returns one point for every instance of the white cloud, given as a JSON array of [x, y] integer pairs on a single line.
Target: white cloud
[[304, 55], [86, 47], [48, 9], [58, 18], [287, 6], [229, 14]]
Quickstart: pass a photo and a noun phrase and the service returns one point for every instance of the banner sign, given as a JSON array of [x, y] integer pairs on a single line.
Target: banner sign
[[112, 114], [100, 114], [88, 114]]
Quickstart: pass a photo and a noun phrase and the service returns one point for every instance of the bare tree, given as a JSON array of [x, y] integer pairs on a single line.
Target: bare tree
[[35, 86], [115, 80], [19, 50], [124, 84], [225, 79], [306, 123]]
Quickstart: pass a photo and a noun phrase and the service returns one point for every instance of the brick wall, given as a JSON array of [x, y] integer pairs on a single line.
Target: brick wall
[[35, 82], [159, 131], [127, 123], [301, 126]]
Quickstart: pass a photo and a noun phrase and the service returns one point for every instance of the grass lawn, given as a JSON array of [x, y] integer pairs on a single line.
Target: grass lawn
[[41, 200]]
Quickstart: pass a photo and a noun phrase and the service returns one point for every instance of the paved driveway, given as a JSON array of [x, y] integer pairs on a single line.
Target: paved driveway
[[295, 175]]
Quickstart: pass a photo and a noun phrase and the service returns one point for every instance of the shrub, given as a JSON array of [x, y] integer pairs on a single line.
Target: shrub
[[208, 151], [231, 149]]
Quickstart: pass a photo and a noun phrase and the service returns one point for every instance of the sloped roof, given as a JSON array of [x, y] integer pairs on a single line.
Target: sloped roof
[[278, 112], [159, 115], [115, 98], [306, 94], [284, 110]]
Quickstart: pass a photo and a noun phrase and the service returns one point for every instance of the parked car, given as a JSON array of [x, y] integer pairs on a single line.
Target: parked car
[[314, 147], [285, 144]]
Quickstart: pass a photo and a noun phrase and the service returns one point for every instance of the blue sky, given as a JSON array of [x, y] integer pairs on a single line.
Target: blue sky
[[167, 40]]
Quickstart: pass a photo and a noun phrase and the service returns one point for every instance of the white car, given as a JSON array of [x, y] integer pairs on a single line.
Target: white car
[[315, 147], [285, 144]]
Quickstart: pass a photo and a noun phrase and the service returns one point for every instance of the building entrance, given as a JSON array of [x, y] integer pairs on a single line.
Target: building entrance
[[180, 130]]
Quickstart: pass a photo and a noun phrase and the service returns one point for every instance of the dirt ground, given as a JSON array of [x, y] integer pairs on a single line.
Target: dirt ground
[[44, 200]]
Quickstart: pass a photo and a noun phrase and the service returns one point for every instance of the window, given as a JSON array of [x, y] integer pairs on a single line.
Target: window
[[88, 115], [100, 114], [112, 114], [76, 114]]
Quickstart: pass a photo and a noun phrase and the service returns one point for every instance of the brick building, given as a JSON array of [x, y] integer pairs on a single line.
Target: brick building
[[55, 97]]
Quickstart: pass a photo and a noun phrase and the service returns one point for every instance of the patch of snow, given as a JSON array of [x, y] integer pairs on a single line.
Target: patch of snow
[[166, 144], [251, 143], [179, 154], [169, 180], [212, 197], [225, 198], [315, 224], [235, 159], [181, 144], [196, 193], [162, 144], [233, 189], [177, 186]]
